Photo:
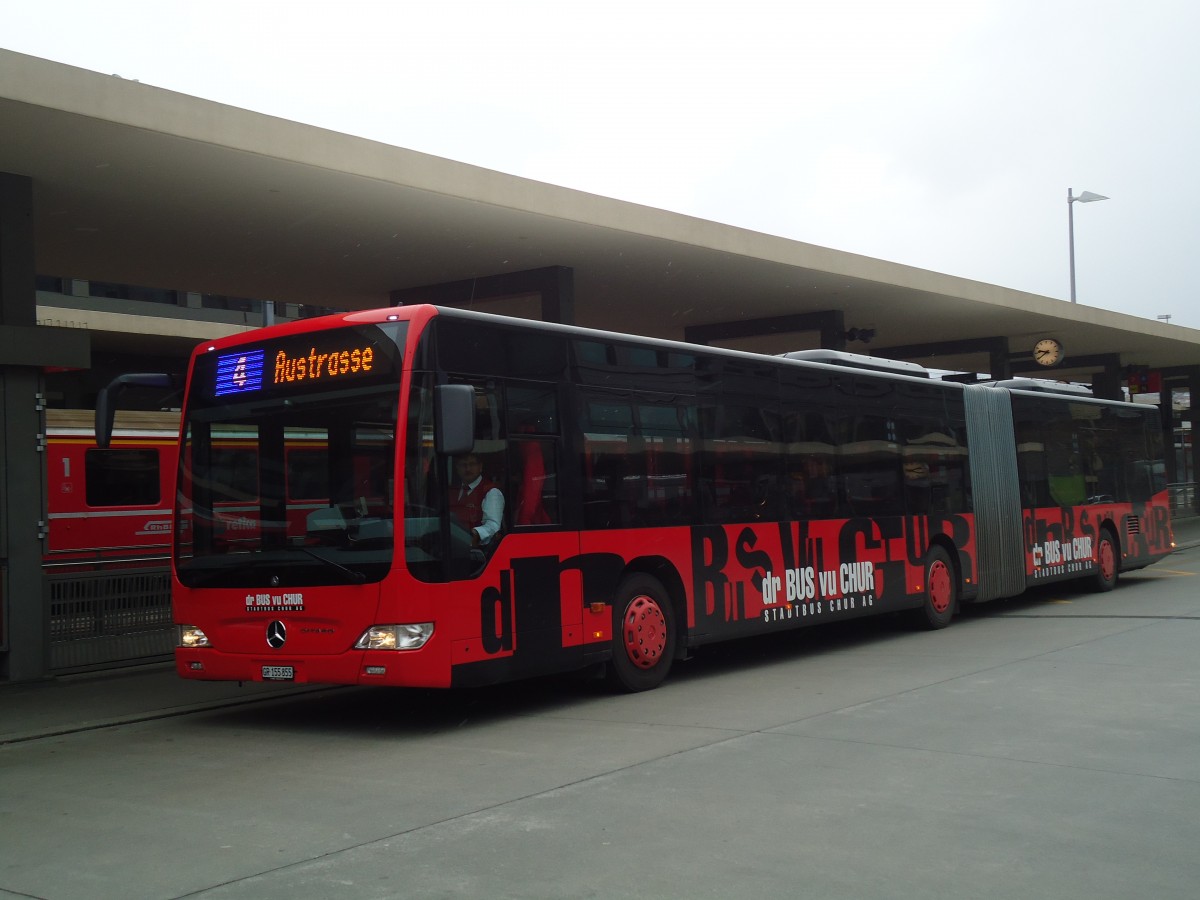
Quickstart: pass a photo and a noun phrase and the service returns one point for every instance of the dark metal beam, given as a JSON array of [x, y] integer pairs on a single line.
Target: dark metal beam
[[554, 284], [830, 323], [996, 349], [1023, 362], [41, 346]]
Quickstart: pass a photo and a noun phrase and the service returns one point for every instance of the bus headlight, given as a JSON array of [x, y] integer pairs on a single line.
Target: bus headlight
[[191, 637], [395, 637]]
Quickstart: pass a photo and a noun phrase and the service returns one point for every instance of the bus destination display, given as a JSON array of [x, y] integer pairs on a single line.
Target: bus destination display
[[244, 372]]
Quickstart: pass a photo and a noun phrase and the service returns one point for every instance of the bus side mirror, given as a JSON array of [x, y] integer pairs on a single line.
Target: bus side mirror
[[106, 400], [454, 418]]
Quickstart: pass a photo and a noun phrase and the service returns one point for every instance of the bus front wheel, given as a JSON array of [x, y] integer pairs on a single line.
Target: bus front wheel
[[644, 634]]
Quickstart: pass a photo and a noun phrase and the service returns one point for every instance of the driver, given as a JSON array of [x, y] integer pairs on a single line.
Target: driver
[[476, 502]]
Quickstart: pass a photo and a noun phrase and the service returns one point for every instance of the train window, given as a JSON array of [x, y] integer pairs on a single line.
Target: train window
[[122, 477]]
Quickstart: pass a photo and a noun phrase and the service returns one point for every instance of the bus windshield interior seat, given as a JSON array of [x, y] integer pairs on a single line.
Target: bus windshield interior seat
[[530, 505]]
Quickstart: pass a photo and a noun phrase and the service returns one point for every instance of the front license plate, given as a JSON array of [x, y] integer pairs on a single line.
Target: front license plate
[[279, 673]]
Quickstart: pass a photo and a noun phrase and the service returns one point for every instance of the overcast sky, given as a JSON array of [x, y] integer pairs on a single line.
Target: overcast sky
[[942, 135]]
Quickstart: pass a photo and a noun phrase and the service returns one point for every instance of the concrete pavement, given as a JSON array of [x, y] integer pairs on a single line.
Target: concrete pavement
[[82, 702], [1041, 747]]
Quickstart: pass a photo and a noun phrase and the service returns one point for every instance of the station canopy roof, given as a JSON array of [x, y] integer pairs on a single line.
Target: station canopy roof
[[139, 185]]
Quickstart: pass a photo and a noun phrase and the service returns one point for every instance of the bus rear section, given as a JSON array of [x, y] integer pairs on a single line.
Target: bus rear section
[[1068, 487]]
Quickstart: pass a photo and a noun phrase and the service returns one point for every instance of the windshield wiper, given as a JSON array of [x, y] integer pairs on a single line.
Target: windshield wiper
[[355, 576]]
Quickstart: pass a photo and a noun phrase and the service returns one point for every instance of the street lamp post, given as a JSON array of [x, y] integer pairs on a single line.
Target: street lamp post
[[1085, 197]]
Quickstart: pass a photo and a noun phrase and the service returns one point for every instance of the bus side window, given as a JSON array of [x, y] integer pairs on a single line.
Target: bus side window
[[933, 461], [533, 427], [810, 487], [1130, 461], [1031, 435], [869, 463], [637, 463], [1064, 471], [536, 498], [741, 462], [607, 423], [491, 444]]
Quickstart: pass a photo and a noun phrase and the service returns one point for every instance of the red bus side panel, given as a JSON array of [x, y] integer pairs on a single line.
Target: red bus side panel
[[1063, 542]]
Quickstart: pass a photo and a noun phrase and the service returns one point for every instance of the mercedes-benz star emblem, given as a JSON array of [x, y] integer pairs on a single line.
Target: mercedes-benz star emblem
[[276, 634]]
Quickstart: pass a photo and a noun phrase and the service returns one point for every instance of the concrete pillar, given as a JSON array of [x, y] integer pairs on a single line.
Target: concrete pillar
[[25, 639], [1107, 386], [25, 348]]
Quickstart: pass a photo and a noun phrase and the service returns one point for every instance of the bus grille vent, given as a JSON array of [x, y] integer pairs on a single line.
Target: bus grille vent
[[1133, 525]]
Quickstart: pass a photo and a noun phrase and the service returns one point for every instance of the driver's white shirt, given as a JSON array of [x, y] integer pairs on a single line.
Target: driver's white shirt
[[492, 508]]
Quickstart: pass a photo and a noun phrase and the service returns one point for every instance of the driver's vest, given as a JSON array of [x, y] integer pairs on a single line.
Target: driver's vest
[[467, 505]]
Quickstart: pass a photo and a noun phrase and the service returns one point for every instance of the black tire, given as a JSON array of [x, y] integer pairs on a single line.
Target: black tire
[[644, 635], [1108, 565], [940, 603]]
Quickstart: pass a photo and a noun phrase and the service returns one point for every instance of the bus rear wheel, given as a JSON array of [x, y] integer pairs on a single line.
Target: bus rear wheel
[[941, 590], [644, 635], [1107, 568]]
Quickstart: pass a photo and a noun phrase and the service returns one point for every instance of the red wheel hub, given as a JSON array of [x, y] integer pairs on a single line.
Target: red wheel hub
[[1108, 560], [940, 591], [644, 632]]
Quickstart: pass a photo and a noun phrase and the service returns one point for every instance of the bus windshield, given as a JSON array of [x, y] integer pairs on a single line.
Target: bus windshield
[[286, 469]]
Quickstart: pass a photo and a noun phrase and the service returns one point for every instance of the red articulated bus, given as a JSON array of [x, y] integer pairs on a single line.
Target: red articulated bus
[[656, 497]]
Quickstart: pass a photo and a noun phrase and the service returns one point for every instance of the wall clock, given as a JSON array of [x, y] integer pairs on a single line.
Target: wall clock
[[1047, 352]]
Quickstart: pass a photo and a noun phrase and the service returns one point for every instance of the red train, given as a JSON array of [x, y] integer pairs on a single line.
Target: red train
[[112, 507]]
